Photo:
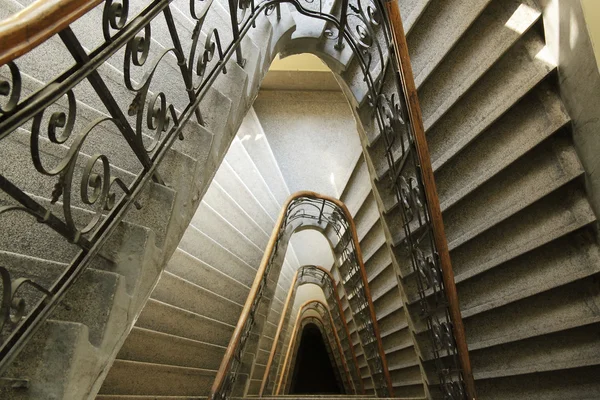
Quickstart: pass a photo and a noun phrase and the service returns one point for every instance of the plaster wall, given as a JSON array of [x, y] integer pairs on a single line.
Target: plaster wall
[[570, 45], [313, 137], [591, 13]]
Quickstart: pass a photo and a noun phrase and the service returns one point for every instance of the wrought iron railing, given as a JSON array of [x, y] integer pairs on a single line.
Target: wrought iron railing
[[151, 124], [308, 210], [325, 323], [323, 278]]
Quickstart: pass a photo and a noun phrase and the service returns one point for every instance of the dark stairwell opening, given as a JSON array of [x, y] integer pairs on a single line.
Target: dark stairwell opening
[[313, 371]]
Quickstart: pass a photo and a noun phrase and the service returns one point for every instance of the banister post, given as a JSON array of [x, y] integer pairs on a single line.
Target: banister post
[[433, 203]]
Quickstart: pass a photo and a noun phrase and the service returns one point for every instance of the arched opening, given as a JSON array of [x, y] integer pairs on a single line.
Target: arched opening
[[313, 372]]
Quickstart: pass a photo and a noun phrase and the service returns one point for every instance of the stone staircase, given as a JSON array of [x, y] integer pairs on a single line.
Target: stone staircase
[[182, 333], [521, 232]]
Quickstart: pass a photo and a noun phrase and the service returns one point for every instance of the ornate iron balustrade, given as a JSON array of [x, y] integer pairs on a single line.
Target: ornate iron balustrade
[[305, 210], [371, 29], [323, 278], [325, 323]]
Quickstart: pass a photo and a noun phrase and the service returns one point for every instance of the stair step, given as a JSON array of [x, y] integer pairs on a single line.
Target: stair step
[[170, 350], [579, 383], [198, 272], [366, 217], [552, 311], [206, 249], [514, 75], [411, 11], [226, 206], [246, 170], [438, 30], [541, 171], [236, 188], [183, 294], [208, 221], [255, 142], [410, 376], [162, 317], [60, 347], [382, 283], [400, 359], [560, 262], [557, 351], [537, 116], [140, 378], [553, 216]]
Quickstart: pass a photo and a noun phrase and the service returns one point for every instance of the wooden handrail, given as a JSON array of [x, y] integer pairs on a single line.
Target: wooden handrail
[[280, 327], [237, 333], [36, 23], [278, 334], [297, 323], [433, 203]]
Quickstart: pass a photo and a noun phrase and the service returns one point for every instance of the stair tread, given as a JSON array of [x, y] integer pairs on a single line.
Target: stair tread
[[433, 36]]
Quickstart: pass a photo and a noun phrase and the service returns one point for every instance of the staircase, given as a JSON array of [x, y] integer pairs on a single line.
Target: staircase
[[182, 333], [520, 229]]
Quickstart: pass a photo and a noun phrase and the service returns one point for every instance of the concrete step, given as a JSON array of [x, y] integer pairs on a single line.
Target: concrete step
[[21, 172], [537, 116], [228, 208], [514, 75], [435, 35], [560, 262], [366, 217], [579, 383], [434, 108], [537, 174], [556, 310], [378, 262], [254, 140], [402, 358], [382, 283], [208, 221], [58, 351], [388, 303], [162, 317], [553, 216], [573, 348], [236, 188], [411, 11], [192, 269], [209, 251], [139, 378], [506, 82], [410, 376], [240, 161], [183, 294], [170, 350]]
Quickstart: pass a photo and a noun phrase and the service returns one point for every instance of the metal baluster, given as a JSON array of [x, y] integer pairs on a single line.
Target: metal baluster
[[235, 30], [81, 57], [182, 62]]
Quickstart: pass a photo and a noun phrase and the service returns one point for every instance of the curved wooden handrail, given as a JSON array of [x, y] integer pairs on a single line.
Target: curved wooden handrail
[[36, 23], [363, 273], [433, 202], [280, 327], [235, 338], [305, 307]]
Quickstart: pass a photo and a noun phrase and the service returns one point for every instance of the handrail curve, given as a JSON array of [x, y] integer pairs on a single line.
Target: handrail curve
[[328, 212], [321, 308], [335, 298]]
